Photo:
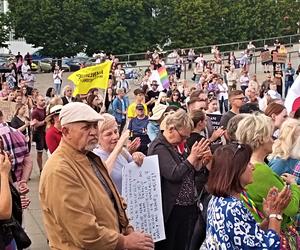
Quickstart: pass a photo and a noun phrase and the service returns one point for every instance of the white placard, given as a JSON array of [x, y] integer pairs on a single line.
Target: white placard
[[142, 192]]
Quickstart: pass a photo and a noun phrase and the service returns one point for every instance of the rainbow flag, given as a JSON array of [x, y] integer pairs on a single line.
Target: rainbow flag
[[164, 78]]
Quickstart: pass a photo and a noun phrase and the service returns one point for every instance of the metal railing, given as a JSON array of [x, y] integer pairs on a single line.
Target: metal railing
[[225, 48]]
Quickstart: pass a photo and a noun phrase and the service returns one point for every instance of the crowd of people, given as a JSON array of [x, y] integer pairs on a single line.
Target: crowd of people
[[233, 185]]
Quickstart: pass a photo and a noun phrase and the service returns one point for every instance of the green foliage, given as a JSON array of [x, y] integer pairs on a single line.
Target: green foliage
[[64, 28], [4, 30]]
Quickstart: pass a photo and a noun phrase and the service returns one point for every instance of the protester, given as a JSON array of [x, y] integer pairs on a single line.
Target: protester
[[153, 95], [231, 172], [244, 81], [30, 80], [139, 99], [175, 99], [21, 122], [256, 130], [232, 79], [232, 126], [285, 153], [236, 99], [57, 79], [162, 99], [50, 93], [94, 102], [67, 92], [39, 125], [111, 149], [5, 200], [278, 113], [93, 201], [222, 95], [120, 107], [53, 132], [177, 178], [213, 106], [138, 128], [289, 77], [153, 127]]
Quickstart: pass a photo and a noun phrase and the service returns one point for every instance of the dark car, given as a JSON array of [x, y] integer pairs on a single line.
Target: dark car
[[76, 63]]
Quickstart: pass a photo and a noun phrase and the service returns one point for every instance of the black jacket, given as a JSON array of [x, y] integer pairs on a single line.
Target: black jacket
[[65, 100], [172, 171]]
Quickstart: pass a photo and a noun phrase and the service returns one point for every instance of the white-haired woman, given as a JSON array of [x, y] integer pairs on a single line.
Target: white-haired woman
[[177, 172], [256, 130], [285, 154], [111, 149]]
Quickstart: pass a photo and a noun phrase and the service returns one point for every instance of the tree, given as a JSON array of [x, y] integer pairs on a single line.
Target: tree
[[4, 31], [64, 28], [57, 26]]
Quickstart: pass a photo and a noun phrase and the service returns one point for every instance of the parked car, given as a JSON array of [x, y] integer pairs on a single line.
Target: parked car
[[38, 55], [34, 66], [44, 65], [75, 63], [64, 65]]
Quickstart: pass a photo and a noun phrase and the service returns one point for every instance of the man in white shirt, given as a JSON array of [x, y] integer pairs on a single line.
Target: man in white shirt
[[29, 81], [24, 69]]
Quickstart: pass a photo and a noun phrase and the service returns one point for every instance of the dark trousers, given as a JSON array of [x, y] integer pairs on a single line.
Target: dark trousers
[[225, 102], [178, 228], [288, 84], [243, 88], [121, 126]]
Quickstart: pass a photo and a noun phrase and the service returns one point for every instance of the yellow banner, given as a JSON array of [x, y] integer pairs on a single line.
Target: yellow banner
[[90, 78]]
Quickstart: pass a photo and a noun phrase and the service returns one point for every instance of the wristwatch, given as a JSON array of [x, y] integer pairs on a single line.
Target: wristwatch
[[276, 216]]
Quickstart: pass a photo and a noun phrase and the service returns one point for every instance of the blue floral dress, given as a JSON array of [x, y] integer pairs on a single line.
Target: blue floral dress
[[231, 226]]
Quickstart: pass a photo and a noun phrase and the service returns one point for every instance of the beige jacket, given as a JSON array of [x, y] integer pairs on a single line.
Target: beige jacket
[[77, 211]]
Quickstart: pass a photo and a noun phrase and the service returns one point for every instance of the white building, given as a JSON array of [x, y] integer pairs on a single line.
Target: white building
[[15, 45]]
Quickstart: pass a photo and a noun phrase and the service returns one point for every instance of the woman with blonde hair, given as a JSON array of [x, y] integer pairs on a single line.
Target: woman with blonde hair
[[285, 153], [256, 130], [112, 151], [177, 172]]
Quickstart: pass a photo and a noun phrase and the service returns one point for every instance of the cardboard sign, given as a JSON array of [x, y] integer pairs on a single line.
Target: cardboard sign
[[279, 57], [142, 192], [8, 109], [266, 56]]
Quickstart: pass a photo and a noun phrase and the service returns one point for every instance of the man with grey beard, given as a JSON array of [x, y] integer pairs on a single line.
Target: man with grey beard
[[81, 206]]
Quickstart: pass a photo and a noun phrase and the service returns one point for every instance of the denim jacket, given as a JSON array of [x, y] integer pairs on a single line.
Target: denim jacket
[[117, 109]]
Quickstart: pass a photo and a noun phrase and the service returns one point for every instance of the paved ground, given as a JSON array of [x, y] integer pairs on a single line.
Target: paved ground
[[32, 216]]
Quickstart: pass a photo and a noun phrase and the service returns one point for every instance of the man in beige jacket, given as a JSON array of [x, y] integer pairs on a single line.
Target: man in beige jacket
[[81, 206]]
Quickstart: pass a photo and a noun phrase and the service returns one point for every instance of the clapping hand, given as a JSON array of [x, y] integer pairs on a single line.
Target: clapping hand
[[132, 146], [289, 178], [275, 201], [198, 150]]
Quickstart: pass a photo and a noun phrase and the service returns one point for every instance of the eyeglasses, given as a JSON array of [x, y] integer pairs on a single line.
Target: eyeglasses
[[182, 136]]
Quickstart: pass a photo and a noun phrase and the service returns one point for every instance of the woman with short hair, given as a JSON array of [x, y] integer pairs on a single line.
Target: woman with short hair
[[256, 130], [285, 152], [230, 225], [111, 149], [177, 172]]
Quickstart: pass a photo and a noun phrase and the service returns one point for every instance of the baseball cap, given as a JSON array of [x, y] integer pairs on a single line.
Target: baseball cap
[[78, 112]]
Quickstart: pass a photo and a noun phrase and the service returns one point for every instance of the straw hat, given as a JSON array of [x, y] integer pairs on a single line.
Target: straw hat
[[157, 112], [55, 110]]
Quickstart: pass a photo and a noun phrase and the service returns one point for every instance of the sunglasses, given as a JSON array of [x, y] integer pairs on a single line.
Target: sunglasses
[[240, 98]]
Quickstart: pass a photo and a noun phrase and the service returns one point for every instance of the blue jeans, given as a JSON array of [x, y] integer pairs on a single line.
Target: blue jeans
[[57, 88]]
